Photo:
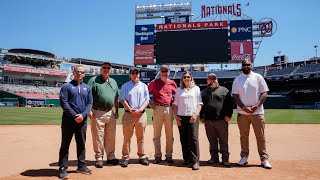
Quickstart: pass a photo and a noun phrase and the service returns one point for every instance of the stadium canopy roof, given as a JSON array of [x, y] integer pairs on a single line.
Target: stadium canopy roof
[[32, 52], [99, 63]]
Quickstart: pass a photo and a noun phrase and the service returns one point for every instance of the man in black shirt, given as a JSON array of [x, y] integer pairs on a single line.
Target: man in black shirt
[[216, 113]]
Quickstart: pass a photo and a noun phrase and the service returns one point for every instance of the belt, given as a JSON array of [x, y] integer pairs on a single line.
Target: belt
[[100, 109], [166, 105], [129, 111]]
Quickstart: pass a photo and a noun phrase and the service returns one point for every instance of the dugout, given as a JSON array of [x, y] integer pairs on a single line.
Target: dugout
[[278, 102]]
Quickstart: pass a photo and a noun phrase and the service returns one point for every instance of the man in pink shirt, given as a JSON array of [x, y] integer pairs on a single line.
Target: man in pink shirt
[[162, 90]]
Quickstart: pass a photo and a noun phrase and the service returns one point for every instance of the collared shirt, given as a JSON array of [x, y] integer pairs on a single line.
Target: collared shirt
[[134, 93], [249, 88], [162, 91], [103, 92], [187, 100]]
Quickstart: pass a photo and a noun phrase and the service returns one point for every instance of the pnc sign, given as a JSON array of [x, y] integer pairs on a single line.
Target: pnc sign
[[241, 30]]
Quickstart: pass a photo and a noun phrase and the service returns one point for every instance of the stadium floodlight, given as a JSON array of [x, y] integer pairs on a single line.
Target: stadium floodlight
[[316, 49]]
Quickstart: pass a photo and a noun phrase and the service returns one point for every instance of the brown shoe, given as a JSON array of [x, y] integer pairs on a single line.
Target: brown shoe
[[99, 164]]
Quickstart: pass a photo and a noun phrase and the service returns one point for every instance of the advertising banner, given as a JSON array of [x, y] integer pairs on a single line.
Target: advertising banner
[[36, 102], [296, 77], [241, 50], [146, 76], [315, 76], [144, 34], [8, 104], [192, 25], [277, 78], [36, 71], [241, 30], [144, 54], [176, 19]]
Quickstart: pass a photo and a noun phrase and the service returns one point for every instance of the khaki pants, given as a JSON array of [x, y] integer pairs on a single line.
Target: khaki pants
[[128, 126], [258, 125], [163, 115], [103, 129]]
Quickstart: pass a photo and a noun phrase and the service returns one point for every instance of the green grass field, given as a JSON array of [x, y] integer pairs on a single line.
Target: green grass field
[[29, 116]]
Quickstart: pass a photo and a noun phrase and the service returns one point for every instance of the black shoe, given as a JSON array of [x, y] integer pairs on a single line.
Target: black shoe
[[99, 164], [186, 162], [169, 160], [84, 170], [226, 163], [196, 166], [124, 163], [144, 162], [213, 161], [63, 173], [114, 161], [157, 160]]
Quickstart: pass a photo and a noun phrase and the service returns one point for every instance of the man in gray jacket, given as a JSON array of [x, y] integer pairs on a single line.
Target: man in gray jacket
[[216, 113]]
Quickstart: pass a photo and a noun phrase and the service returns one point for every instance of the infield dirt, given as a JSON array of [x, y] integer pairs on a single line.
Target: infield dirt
[[31, 152]]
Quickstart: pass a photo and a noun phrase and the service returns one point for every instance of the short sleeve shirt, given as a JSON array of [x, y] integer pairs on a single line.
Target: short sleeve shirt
[[103, 92], [162, 91], [249, 88]]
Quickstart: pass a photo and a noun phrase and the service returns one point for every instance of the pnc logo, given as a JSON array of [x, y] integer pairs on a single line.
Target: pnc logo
[[241, 29]]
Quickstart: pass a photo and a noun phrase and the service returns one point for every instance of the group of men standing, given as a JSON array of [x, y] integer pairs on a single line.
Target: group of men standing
[[213, 106]]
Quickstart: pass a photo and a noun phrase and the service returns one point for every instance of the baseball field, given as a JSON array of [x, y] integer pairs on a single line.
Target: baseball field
[[30, 140]]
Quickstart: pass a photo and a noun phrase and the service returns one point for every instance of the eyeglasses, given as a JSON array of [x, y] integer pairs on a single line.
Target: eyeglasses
[[164, 71], [79, 72], [212, 79], [186, 77], [106, 68], [246, 64]]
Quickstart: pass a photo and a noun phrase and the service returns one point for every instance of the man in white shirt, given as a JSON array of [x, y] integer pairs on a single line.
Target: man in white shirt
[[249, 93]]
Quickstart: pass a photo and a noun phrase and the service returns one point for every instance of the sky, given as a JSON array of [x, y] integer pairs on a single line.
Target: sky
[[104, 29]]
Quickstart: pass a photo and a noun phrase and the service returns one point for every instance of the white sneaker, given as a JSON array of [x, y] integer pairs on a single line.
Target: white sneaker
[[243, 161], [266, 164]]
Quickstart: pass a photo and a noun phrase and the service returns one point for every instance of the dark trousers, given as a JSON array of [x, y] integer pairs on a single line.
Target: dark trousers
[[67, 130], [189, 139], [217, 134]]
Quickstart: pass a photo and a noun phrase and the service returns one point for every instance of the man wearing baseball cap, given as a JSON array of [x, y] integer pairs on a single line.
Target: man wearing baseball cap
[[162, 89], [216, 113], [103, 119], [134, 96]]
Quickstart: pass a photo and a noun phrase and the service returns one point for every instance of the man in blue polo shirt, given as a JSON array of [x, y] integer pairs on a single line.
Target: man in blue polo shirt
[[76, 102], [134, 96]]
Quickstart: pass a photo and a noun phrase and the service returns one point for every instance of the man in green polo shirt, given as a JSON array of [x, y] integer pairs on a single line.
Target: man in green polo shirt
[[105, 94]]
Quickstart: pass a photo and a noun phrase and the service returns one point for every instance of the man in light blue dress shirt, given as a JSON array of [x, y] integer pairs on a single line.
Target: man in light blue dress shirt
[[134, 96]]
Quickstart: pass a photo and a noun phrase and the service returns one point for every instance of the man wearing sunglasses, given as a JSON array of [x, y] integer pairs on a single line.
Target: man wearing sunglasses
[[249, 92], [134, 96], [103, 120], [162, 90], [76, 102], [216, 112]]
